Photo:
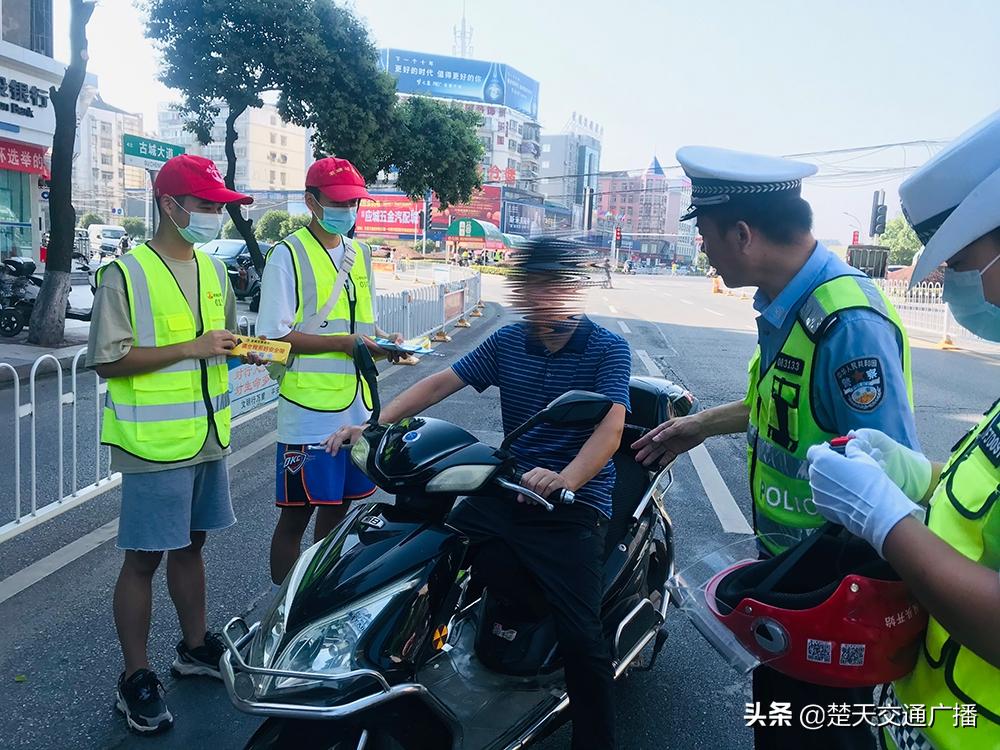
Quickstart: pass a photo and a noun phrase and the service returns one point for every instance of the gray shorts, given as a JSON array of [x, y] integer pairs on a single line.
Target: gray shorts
[[160, 509]]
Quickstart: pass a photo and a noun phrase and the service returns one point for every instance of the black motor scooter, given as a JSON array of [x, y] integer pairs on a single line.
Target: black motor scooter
[[383, 636]]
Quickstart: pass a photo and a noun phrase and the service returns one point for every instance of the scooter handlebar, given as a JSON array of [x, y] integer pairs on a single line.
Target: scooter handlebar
[[563, 496]]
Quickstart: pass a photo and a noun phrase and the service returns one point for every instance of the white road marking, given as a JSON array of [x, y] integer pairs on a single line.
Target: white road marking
[[729, 513], [613, 309], [714, 312], [723, 503], [686, 301], [625, 328], [651, 367], [19, 581]]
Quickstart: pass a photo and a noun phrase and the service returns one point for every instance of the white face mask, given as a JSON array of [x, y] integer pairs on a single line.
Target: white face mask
[[201, 227], [964, 293]]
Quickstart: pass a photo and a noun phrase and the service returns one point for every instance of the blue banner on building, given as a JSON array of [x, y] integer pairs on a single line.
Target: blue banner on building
[[522, 218], [461, 78]]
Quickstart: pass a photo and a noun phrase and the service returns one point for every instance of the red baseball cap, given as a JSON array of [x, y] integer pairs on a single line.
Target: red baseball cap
[[195, 175], [337, 179]]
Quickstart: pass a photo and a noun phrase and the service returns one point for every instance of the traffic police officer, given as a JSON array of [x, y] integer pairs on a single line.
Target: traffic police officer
[[162, 327], [951, 563], [831, 355], [321, 389]]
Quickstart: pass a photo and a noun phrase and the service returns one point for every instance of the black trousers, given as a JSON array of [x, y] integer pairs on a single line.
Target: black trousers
[[563, 550], [769, 686]]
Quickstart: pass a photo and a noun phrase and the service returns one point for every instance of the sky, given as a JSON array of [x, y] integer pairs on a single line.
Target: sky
[[772, 76]]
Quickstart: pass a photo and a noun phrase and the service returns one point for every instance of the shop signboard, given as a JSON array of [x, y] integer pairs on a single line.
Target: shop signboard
[[389, 215]]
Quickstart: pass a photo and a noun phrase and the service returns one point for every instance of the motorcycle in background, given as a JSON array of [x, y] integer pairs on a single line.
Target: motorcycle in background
[[19, 288]]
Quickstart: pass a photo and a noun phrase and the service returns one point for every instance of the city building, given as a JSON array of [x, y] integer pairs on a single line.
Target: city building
[[647, 207], [570, 162], [27, 121], [102, 183], [271, 155], [505, 98]]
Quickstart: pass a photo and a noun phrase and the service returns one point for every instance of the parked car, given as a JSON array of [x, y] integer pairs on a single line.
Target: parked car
[[242, 274]]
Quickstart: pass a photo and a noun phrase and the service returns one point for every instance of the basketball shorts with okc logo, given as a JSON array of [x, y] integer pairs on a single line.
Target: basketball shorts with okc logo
[[306, 476]]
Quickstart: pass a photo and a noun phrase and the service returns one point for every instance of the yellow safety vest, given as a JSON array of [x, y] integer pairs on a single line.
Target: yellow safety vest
[[328, 381], [783, 425], [164, 416], [965, 512]]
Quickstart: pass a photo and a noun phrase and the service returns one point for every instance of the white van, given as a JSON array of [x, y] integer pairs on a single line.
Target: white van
[[104, 238]]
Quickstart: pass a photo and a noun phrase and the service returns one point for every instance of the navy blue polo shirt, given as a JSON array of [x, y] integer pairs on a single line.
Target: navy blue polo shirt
[[529, 377]]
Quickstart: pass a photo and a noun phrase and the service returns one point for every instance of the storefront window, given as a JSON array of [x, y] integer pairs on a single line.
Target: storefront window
[[15, 214]]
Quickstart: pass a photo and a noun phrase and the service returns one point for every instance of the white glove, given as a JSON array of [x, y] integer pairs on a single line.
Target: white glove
[[852, 490], [909, 470]]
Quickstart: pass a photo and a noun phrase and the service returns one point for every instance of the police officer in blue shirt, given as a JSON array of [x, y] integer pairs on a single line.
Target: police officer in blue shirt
[[832, 356]]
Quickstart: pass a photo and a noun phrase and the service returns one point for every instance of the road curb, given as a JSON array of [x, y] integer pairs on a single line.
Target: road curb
[[22, 356]]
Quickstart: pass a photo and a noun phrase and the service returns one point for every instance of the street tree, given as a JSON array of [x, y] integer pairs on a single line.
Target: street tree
[[292, 224], [229, 230], [48, 316], [435, 147], [91, 218], [220, 52], [269, 225], [901, 240], [135, 226]]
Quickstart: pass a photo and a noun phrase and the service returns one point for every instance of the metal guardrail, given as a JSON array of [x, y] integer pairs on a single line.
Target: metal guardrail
[[923, 311], [418, 312]]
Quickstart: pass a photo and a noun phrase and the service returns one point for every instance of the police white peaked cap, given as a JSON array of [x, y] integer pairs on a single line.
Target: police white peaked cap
[[954, 199], [720, 174]]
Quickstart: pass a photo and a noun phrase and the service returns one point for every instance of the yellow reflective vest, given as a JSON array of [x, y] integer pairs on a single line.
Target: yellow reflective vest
[[965, 512], [783, 425], [328, 381], [164, 416]]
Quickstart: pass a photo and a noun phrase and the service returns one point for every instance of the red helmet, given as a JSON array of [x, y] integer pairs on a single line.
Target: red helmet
[[828, 611]]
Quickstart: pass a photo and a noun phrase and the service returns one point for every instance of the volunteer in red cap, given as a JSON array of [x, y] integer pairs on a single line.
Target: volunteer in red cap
[[161, 330], [318, 294]]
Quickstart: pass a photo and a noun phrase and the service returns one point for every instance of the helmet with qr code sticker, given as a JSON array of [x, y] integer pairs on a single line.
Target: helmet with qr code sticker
[[827, 611]]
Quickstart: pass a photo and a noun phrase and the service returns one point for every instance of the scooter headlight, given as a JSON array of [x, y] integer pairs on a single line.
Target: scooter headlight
[[359, 453], [330, 646], [461, 478]]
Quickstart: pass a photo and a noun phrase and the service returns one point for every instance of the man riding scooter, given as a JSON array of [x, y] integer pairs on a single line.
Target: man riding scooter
[[554, 350]]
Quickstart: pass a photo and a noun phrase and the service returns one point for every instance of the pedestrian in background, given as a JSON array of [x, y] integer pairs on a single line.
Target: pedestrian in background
[[162, 328], [832, 355], [318, 294]]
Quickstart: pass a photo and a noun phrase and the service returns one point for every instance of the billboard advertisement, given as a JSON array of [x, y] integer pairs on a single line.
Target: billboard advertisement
[[484, 205], [389, 215], [558, 218], [461, 78], [525, 219]]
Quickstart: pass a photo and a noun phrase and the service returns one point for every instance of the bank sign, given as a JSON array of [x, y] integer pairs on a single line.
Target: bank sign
[[461, 78]]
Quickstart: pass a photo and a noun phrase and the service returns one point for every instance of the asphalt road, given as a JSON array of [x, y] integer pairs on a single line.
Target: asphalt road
[[59, 656]]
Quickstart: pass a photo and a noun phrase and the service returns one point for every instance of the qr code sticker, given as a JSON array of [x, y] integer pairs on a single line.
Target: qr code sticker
[[819, 651], [852, 654]]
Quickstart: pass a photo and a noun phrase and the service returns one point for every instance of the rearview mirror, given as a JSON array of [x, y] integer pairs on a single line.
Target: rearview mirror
[[577, 409]]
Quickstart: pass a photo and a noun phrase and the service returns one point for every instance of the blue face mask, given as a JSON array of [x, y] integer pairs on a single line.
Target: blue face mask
[[338, 219], [201, 227], [964, 293]]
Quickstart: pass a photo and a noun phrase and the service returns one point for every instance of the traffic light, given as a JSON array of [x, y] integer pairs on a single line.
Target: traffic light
[[878, 222], [618, 236]]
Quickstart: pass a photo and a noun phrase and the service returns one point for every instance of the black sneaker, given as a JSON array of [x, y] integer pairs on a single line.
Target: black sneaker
[[140, 699], [203, 660]]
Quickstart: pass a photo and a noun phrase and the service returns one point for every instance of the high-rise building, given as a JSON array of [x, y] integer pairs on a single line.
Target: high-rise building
[[505, 98], [570, 162], [102, 183], [27, 121], [648, 207], [271, 154]]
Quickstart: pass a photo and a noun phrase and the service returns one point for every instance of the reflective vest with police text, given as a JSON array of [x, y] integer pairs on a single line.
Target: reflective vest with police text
[[783, 423]]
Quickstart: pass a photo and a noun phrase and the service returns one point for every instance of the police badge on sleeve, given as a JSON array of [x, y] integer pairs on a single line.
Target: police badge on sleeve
[[861, 383]]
